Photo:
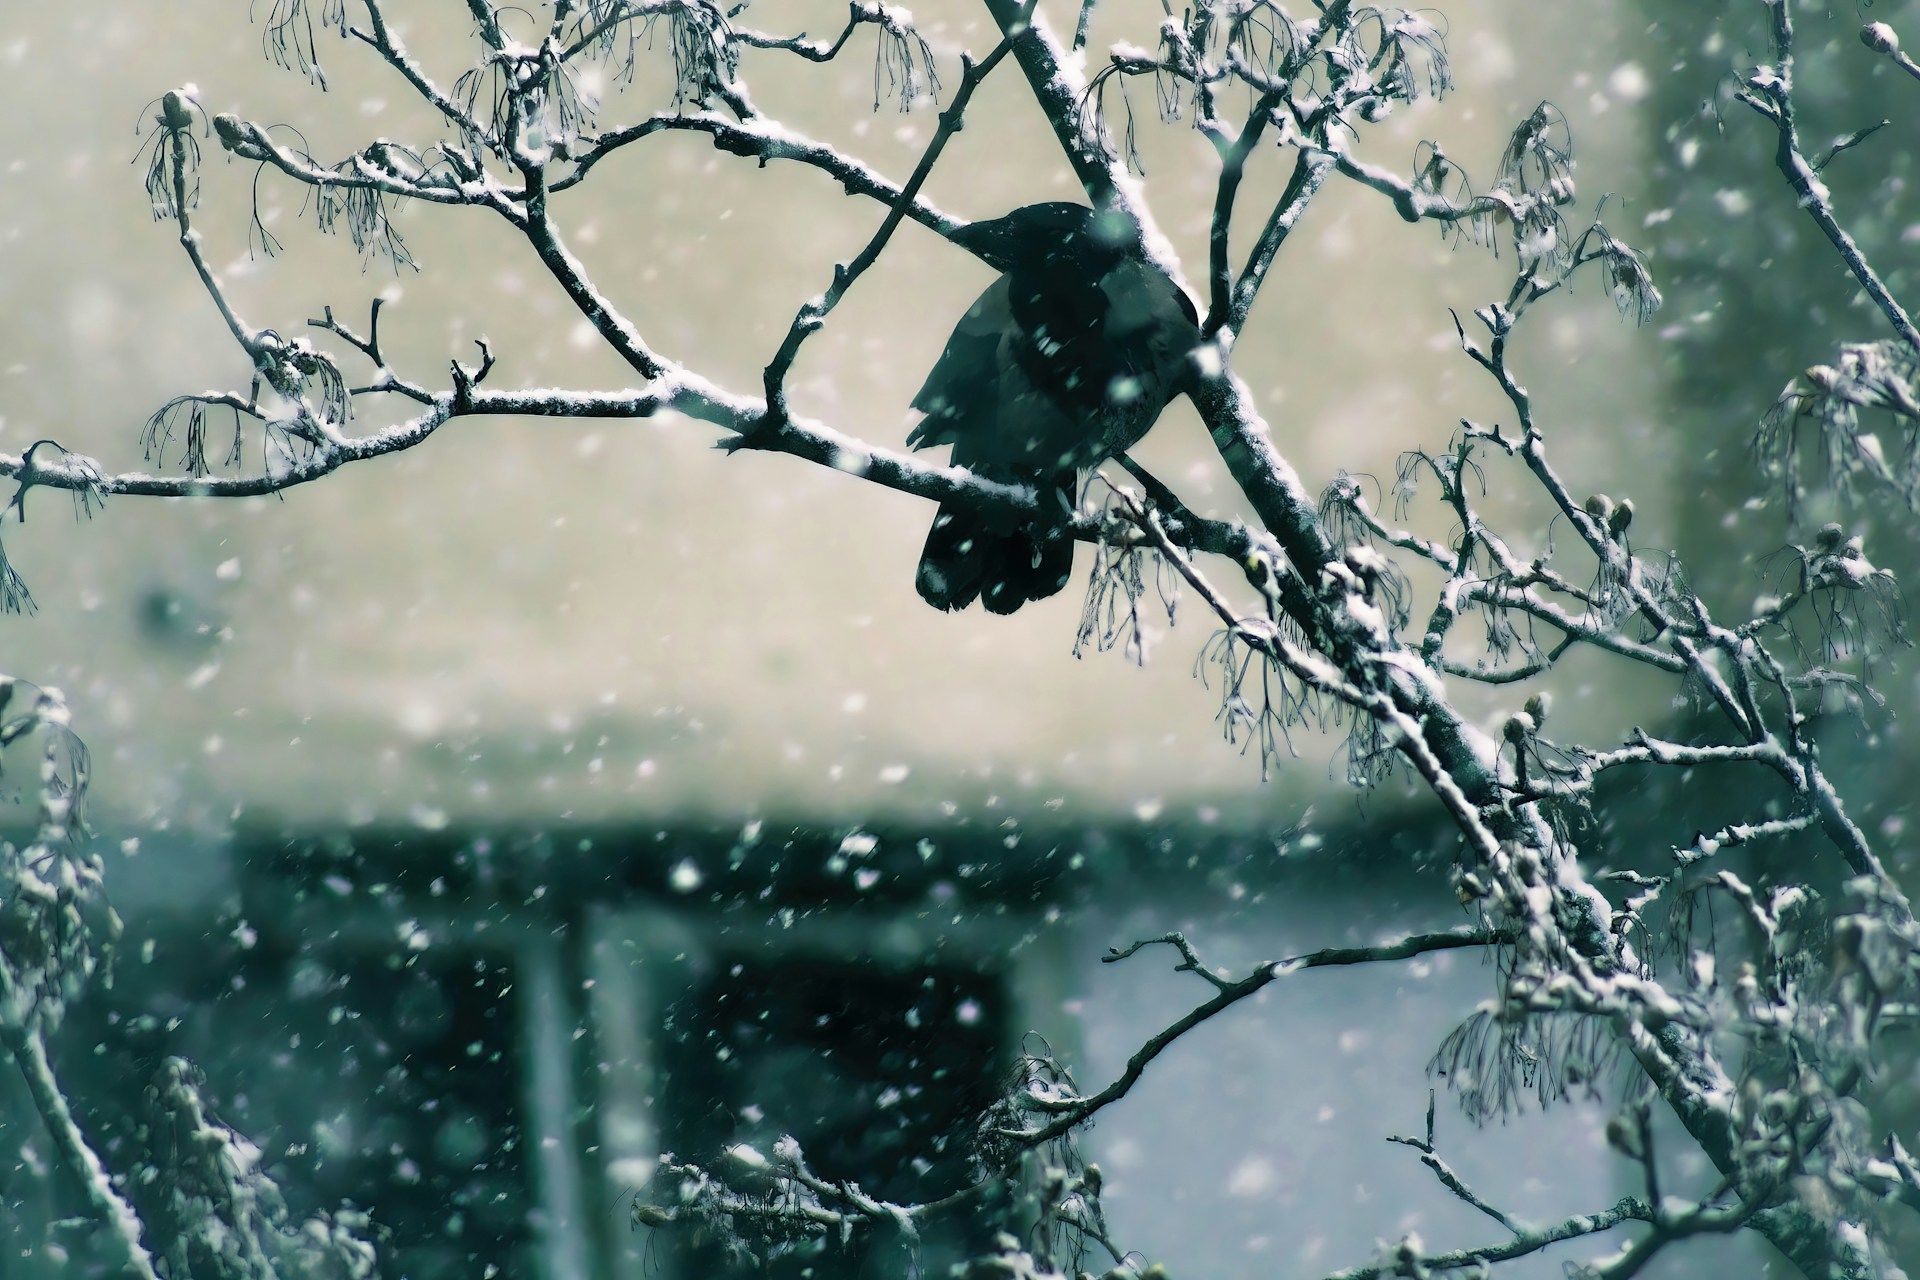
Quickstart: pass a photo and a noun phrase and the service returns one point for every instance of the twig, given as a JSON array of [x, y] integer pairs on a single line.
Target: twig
[[812, 315], [1769, 91], [1069, 1113]]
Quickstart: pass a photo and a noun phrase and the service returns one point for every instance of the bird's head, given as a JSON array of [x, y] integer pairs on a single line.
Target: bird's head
[[1036, 233]]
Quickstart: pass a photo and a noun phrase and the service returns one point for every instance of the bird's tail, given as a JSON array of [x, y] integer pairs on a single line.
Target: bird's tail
[[968, 558]]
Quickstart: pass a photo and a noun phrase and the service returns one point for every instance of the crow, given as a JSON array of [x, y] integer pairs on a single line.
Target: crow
[[1064, 362]]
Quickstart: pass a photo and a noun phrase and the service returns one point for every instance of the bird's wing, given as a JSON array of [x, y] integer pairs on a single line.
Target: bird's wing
[[960, 392], [1051, 371], [1103, 353], [1150, 327]]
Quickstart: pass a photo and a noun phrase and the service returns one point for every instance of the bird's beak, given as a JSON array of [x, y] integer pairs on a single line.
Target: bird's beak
[[985, 240]]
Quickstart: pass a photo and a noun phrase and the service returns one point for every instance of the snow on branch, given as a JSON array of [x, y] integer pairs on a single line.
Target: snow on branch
[[218, 1215]]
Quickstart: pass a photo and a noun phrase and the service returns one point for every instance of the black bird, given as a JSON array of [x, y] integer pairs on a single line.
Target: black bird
[[1065, 361]]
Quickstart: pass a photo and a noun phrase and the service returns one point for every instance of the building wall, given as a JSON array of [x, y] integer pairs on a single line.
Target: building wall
[[542, 624], [551, 619], [491, 1040]]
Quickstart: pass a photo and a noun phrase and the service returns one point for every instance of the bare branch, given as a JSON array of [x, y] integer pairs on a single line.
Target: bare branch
[[812, 316], [1769, 91], [1069, 1113]]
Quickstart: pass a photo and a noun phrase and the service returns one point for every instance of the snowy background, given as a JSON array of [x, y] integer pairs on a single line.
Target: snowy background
[[537, 626]]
